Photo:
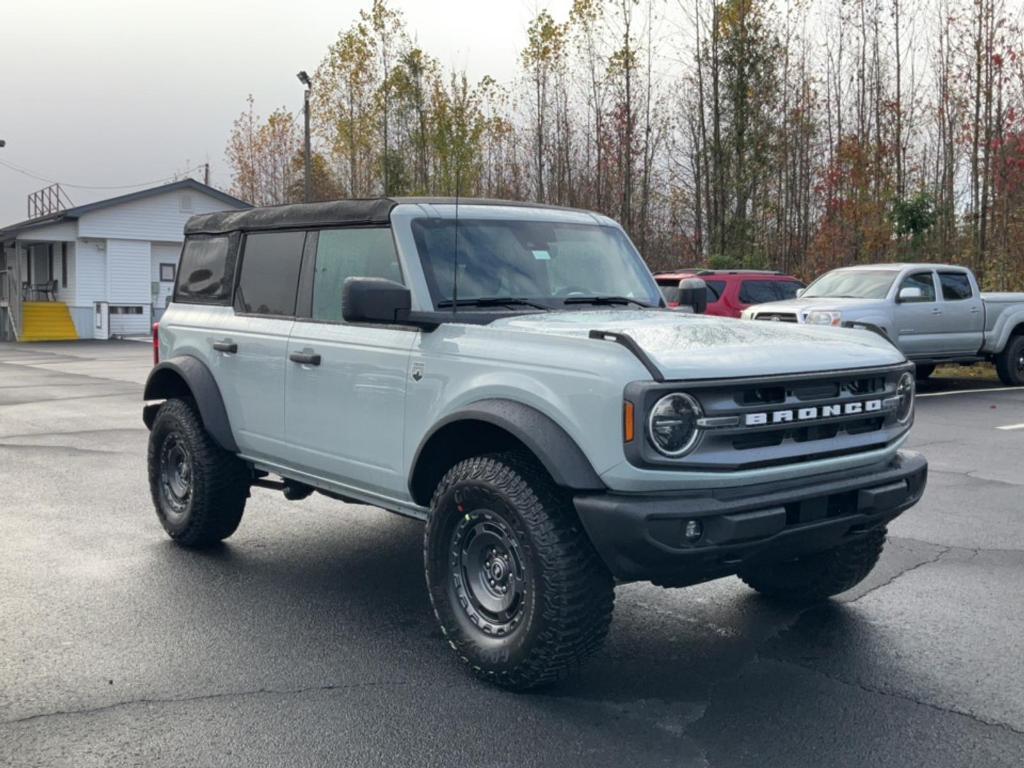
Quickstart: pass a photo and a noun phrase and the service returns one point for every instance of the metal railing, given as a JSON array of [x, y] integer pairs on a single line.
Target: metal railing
[[10, 297]]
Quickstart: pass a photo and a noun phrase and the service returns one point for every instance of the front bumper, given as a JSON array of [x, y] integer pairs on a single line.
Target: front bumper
[[640, 537]]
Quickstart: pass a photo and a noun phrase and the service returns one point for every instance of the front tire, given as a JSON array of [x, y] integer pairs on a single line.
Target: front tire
[[816, 577], [198, 488], [1010, 362], [516, 585], [922, 372]]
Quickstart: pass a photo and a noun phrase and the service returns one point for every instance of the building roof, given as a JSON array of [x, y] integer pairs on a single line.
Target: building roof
[[368, 211], [71, 214]]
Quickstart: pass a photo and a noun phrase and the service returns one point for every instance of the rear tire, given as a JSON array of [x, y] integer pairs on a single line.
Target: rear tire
[[922, 372], [198, 488], [816, 577], [1010, 362], [516, 585]]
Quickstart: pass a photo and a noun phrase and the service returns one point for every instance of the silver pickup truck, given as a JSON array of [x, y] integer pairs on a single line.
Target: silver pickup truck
[[934, 313]]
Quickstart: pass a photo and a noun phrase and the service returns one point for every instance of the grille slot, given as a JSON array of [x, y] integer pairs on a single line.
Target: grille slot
[[772, 437], [782, 317]]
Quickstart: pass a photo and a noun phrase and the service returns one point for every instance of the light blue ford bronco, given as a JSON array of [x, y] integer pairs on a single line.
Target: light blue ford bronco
[[509, 374]]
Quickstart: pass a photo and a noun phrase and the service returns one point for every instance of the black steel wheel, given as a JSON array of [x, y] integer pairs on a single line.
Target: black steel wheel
[[518, 590], [1010, 362], [198, 489]]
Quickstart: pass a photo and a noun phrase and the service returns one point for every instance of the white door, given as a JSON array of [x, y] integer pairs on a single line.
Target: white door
[[346, 383]]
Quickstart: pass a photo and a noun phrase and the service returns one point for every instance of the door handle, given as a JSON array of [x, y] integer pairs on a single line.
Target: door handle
[[226, 345], [975, 310], [305, 358], [936, 311]]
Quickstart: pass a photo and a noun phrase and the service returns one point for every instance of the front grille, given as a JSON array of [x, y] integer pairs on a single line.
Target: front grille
[[779, 317], [785, 420]]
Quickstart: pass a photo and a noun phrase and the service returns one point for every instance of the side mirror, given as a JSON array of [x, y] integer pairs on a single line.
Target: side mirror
[[800, 292], [374, 300], [693, 292], [910, 293]]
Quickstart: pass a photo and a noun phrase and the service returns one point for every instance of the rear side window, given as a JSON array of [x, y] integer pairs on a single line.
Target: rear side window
[[955, 286], [758, 291], [345, 253], [270, 273], [205, 274], [715, 290], [786, 289]]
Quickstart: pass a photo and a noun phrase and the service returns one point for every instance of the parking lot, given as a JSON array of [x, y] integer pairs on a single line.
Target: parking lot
[[308, 638]]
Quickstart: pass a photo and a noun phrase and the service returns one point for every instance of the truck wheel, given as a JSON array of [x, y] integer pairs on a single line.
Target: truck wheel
[[515, 583], [198, 488], [922, 372], [813, 578], [1010, 362]]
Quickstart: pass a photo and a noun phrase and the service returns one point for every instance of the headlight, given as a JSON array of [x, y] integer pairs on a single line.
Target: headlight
[[824, 317], [905, 397], [672, 425]]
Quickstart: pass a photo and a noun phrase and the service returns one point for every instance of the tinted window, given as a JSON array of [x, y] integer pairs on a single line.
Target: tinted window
[[955, 286], [715, 290], [270, 273], [344, 253], [786, 289], [922, 280], [205, 273], [670, 291], [757, 291]]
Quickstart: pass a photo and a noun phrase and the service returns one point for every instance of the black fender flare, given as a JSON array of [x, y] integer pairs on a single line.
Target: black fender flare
[[557, 452], [188, 375]]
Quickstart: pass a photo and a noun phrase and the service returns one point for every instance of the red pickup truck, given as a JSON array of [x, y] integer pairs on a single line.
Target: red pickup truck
[[730, 291]]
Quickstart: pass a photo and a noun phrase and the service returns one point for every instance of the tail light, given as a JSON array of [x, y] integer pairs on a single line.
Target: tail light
[[156, 343]]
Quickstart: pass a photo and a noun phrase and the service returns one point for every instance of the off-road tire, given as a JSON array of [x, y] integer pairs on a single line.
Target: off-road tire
[[922, 372], [1008, 362], [217, 481], [568, 594], [816, 577]]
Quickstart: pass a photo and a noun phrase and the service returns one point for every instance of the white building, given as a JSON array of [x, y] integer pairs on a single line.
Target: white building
[[98, 270]]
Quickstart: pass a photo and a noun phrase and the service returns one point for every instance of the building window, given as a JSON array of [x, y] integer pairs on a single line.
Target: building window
[[126, 310], [185, 203], [166, 273]]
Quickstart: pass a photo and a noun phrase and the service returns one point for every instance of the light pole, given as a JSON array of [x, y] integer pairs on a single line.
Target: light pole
[[304, 79]]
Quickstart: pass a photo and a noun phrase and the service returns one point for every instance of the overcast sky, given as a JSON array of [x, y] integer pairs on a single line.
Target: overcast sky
[[117, 92]]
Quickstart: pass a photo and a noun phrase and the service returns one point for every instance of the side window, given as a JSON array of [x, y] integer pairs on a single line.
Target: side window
[[345, 253], [715, 290], [923, 281], [206, 273], [270, 273], [955, 286], [757, 291], [786, 289]]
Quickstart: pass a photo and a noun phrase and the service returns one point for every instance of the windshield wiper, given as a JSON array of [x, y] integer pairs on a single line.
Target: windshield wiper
[[605, 300], [492, 301]]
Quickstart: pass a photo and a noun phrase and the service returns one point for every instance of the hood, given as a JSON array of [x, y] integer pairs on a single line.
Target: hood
[[802, 305], [687, 346]]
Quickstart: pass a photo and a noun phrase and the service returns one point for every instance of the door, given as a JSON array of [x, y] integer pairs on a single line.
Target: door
[[346, 384], [963, 317], [249, 346], [918, 319]]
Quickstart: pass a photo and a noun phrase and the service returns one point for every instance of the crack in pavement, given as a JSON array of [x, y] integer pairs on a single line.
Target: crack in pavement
[[60, 448], [216, 696], [900, 696], [904, 572]]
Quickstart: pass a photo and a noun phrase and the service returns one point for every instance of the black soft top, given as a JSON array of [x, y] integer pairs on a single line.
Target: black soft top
[[374, 211]]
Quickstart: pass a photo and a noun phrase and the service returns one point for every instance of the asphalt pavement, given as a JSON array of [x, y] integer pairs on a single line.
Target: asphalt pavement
[[307, 639]]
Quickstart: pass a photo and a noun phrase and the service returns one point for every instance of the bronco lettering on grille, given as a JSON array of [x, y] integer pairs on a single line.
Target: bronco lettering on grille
[[812, 413]]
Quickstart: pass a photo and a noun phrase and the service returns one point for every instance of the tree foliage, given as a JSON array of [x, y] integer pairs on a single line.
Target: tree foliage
[[732, 133]]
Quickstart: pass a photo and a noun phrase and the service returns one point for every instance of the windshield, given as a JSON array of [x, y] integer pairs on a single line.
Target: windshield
[[852, 284], [532, 263]]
